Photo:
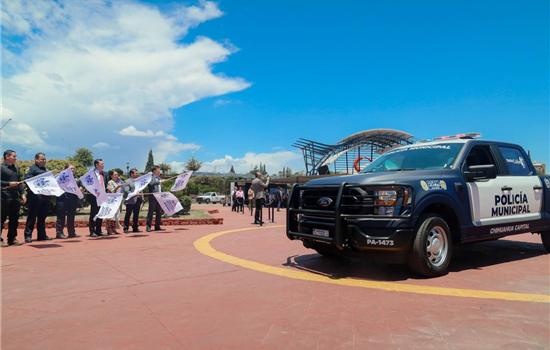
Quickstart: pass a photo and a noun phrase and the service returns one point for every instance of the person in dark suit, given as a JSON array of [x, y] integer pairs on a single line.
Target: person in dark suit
[[279, 197], [258, 187], [38, 204], [133, 204], [66, 205], [95, 226], [12, 190], [155, 186]]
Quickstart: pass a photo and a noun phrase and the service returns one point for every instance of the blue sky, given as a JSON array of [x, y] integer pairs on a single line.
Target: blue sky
[[272, 72]]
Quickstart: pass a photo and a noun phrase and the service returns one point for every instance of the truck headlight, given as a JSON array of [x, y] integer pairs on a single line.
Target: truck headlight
[[384, 197], [391, 202]]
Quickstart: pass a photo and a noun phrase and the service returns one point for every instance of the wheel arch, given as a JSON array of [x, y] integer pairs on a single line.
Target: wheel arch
[[448, 213]]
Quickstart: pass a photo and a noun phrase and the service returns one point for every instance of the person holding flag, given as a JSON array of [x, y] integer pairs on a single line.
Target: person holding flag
[[101, 176], [67, 203], [133, 204], [38, 205], [12, 190], [155, 186]]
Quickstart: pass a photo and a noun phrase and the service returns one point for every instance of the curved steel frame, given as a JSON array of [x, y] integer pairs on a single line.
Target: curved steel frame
[[370, 143]]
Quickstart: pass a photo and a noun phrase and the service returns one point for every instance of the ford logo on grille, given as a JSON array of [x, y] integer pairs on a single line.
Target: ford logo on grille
[[324, 202]]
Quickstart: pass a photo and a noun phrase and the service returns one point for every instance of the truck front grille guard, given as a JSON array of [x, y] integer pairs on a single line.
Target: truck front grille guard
[[339, 236]]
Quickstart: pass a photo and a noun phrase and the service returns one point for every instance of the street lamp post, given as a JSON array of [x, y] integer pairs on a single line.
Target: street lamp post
[[1, 132], [69, 146], [127, 168]]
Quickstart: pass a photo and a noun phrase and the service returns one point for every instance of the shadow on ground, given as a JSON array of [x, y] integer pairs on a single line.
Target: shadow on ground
[[467, 257]]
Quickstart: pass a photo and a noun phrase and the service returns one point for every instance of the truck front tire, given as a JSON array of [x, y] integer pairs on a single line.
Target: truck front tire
[[545, 236], [207, 201], [432, 247]]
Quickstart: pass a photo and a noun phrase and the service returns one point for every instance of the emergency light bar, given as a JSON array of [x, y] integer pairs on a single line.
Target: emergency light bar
[[470, 135]]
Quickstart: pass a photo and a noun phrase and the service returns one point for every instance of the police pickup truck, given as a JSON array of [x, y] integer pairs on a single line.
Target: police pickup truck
[[415, 202]]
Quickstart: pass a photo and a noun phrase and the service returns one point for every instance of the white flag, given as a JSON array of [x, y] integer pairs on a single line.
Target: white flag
[[92, 184], [168, 202], [110, 206], [66, 181], [45, 185], [181, 181], [141, 182]]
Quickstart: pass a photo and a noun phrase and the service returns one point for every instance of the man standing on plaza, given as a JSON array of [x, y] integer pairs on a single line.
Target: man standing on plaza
[[95, 226], [279, 197], [133, 204], [258, 187], [155, 186], [12, 190], [38, 205]]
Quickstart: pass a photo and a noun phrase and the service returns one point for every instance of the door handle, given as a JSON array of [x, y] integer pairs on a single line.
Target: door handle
[[537, 188], [506, 188]]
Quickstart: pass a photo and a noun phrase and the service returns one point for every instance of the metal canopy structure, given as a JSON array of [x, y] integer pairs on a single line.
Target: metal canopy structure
[[340, 157]]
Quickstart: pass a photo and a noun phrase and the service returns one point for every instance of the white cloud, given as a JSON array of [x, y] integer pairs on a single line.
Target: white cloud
[[163, 148], [132, 131], [23, 135], [87, 67], [274, 162], [101, 145]]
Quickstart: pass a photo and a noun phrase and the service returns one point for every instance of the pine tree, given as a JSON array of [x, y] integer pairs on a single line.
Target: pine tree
[[232, 171], [150, 161]]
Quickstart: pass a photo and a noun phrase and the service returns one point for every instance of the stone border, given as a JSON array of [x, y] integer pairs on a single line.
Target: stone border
[[142, 222]]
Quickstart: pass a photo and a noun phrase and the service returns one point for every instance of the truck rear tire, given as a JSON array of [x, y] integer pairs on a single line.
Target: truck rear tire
[[545, 236], [432, 247]]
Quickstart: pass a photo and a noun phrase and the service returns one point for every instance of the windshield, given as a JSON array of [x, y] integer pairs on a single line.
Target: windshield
[[208, 194], [421, 157]]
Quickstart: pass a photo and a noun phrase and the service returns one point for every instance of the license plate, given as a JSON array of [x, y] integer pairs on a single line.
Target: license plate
[[322, 233]]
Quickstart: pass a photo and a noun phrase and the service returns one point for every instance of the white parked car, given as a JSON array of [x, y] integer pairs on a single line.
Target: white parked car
[[210, 197]]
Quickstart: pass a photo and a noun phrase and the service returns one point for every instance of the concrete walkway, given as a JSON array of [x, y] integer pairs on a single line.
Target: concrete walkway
[[157, 291]]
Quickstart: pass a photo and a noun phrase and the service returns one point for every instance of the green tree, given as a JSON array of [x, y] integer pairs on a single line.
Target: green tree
[[193, 164], [150, 161], [232, 171], [82, 156], [254, 171], [165, 168]]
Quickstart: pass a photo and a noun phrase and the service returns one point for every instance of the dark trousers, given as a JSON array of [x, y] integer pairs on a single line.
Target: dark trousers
[[259, 206], [95, 226], [154, 207], [10, 208], [38, 211], [66, 209], [132, 209]]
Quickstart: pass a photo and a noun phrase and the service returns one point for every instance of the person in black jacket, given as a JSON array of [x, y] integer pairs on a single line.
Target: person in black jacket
[[66, 205], [12, 190], [38, 204], [95, 226], [155, 186]]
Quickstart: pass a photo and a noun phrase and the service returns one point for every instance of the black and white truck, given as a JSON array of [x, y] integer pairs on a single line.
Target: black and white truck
[[414, 203]]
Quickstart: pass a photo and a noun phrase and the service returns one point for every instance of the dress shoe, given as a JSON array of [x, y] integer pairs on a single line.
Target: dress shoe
[[115, 232], [93, 234], [148, 229], [126, 230], [28, 240], [4, 244], [256, 222], [60, 236], [110, 233], [160, 229], [73, 236], [44, 239], [102, 234], [136, 231], [15, 242]]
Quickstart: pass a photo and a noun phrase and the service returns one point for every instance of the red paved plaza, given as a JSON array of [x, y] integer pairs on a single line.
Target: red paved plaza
[[157, 291]]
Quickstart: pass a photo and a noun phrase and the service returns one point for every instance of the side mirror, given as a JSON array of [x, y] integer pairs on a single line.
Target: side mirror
[[480, 172]]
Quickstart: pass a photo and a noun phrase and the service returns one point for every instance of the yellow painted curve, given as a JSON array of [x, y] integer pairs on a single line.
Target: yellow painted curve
[[203, 246]]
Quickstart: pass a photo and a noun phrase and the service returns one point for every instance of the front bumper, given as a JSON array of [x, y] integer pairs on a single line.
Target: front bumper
[[346, 231]]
